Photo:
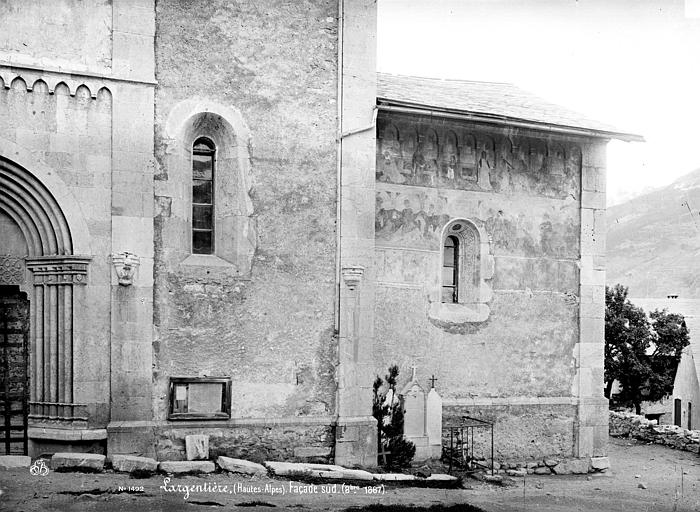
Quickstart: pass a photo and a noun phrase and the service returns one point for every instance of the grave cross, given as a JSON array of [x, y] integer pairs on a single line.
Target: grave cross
[[383, 453], [432, 381]]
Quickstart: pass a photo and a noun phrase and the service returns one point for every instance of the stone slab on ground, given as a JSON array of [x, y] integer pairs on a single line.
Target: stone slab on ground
[[131, 463], [572, 466], [345, 474], [300, 468], [14, 461], [78, 462], [519, 472], [241, 466], [542, 471], [393, 477], [441, 477], [187, 466], [197, 447], [600, 463]]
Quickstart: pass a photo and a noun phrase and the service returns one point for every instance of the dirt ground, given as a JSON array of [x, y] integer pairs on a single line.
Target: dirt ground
[[671, 478]]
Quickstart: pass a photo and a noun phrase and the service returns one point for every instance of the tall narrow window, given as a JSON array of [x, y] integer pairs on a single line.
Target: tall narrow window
[[450, 270], [203, 197]]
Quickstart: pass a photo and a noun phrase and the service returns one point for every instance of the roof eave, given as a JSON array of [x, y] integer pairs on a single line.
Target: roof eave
[[389, 105]]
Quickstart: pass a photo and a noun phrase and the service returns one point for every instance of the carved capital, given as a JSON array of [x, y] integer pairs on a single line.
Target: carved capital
[[352, 275], [55, 270], [126, 264], [11, 269]]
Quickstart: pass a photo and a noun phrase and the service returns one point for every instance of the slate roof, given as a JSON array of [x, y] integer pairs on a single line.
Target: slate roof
[[487, 101]]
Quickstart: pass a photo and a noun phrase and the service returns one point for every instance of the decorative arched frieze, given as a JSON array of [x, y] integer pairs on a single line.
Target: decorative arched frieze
[[47, 82], [475, 270]]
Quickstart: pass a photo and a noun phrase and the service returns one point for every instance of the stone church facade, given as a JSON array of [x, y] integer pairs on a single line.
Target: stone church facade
[[210, 224]]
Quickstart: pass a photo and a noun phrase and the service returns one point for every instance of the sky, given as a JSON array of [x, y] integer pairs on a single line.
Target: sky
[[634, 64]]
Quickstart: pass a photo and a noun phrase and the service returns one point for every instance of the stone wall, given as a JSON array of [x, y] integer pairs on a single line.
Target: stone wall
[[630, 425], [522, 190], [256, 442], [262, 310]]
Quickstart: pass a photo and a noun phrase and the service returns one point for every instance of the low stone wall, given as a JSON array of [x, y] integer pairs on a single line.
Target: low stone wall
[[290, 442], [624, 424]]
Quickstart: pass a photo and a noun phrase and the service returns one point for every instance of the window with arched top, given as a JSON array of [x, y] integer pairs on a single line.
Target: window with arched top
[[450, 269], [466, 264], [203, 157], [460, 263]]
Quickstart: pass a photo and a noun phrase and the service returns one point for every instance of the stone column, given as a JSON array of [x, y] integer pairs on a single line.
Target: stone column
[[57, 281], [592, 431], [356, 435]]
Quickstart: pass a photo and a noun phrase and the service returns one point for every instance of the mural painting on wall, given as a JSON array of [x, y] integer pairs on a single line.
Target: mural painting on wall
[[446, 159], [416, 219]]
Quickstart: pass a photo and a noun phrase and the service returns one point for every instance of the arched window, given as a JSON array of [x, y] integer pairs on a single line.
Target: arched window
[[203, 152], [450, 270], [461, 293], [460, 263]]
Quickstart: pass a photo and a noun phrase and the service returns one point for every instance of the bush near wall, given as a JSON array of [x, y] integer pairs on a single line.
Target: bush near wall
[[624, 424]]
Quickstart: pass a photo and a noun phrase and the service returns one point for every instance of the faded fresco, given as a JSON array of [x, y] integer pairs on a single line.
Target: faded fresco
[[454, 158], [415, 218]]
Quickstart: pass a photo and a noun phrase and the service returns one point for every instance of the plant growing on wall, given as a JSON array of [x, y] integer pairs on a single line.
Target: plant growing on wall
[[394, 451], [641, 353]]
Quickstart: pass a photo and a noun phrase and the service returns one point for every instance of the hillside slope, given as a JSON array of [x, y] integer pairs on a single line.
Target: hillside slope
[[653, 241]]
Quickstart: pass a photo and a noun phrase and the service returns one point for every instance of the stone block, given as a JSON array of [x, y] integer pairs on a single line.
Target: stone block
[[241, 466], [186, 466], [600, 463], [14, 461], [88, 462], [542, 471], [131, 463], [197, 447], [517, 472], [572, 466]]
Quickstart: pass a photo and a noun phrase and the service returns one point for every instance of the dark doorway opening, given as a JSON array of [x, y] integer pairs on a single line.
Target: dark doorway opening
[[677, 412], [14, 375]]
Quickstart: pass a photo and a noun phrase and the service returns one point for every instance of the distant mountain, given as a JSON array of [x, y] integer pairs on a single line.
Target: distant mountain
[[653, 241]]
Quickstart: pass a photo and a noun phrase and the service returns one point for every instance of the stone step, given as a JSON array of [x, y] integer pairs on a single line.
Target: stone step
[[131, 463], [186, 466], [241, 466], [14, 461], [90, 462]]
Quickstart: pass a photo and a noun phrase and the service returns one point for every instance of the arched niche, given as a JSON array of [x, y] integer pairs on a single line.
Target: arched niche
[[234, 226], [475, 268]]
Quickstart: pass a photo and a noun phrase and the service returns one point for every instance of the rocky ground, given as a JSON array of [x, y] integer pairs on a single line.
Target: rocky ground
[[643, 478]]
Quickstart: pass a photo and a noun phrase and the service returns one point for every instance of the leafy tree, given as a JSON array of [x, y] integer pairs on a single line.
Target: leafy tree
[[641, 353], [387, 409]]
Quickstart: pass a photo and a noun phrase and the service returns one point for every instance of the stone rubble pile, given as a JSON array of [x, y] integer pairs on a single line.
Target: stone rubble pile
[[624, 424], [552, 466]]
